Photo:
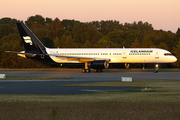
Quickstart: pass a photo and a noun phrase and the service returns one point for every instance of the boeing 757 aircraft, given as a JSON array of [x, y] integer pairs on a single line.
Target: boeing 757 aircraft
[[96, 58]]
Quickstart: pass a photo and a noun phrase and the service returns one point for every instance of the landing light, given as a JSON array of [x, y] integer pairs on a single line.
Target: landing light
[[157, 65]]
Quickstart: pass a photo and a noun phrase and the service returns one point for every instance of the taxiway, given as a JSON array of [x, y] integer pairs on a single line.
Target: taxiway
[[75, 77]]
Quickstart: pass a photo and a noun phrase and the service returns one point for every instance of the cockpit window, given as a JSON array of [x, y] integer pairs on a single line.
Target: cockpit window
[[167, 54]]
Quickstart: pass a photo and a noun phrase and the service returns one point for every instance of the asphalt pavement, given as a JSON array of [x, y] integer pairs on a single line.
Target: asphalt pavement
[[75, 77]]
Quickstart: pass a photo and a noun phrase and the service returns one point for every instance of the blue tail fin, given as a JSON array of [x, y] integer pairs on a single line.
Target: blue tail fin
[[30, 41]]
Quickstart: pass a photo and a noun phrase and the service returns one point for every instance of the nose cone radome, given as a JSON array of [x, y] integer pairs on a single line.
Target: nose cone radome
[[174, 59]]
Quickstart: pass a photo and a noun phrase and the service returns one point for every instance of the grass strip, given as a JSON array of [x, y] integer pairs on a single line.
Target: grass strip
[[155, 85], [87, 110]]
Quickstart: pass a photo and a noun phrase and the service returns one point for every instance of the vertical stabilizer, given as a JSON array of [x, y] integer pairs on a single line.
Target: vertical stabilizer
[[30, 41]]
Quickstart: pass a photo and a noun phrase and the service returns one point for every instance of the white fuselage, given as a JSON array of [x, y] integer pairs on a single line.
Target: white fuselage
[[115, 55]]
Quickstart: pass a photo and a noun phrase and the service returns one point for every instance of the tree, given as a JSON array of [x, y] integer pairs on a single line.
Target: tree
[[56, 25], [8, 21], [35, 21], [144, 27], [87, 44], [68, 24], [9, 43], [116, 36], [135, 44], [65, 42], [127, 26], [104, 41], [97, 25], [7, 26], [130, 36], [178, 33], [177, 54], [57, 43], [163, 36], [42, 33], [147, 43], [60, 32], [83, 32], [5, 30], [108, 26], [163, 45], [48, 42], [48, 20], [68, 42]]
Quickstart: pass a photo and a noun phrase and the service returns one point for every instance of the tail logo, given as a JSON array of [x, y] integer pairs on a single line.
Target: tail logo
[[27, 39]]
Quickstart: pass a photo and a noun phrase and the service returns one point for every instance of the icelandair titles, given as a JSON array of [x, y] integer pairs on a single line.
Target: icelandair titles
[[140, 52]]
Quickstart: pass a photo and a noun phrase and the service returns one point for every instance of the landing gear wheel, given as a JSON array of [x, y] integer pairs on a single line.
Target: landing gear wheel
[[83, 70], [97, 70], [86, 70], [155, 71]]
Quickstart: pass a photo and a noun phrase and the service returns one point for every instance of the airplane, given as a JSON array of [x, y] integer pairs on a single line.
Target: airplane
[[95, 58]]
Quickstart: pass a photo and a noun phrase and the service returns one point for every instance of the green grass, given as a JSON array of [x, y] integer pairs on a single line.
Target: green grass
[[159, 85], [163, 103], [87, 110], [162, 90]]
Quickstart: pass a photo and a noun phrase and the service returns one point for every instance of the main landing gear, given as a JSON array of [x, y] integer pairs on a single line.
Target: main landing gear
[[87, 70], [156, 68]]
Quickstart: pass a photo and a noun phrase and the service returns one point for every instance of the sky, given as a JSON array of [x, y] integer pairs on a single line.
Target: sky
[[162, 14]]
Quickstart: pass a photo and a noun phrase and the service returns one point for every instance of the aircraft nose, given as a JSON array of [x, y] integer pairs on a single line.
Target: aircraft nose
[[174, 59]]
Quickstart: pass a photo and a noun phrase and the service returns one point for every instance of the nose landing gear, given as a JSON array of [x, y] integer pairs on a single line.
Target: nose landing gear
[[156, 68]]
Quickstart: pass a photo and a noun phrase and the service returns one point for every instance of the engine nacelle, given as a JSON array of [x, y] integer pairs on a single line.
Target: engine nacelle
[[126, 65], [98, 64]]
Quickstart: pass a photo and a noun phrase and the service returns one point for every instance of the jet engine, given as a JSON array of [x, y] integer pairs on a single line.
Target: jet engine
[[126, 65], [98, 64]]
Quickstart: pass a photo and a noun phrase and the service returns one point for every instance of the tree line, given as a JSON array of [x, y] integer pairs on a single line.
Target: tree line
[[76, 34]]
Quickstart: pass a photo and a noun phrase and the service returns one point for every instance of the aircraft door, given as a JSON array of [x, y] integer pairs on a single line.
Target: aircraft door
[[124, 56], [157, 55]]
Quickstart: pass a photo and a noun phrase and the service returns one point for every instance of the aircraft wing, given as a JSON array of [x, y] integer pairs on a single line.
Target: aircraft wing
[[80, 59]]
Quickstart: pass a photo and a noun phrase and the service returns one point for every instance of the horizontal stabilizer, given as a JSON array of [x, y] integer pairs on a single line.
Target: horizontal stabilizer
[[21, 53]]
